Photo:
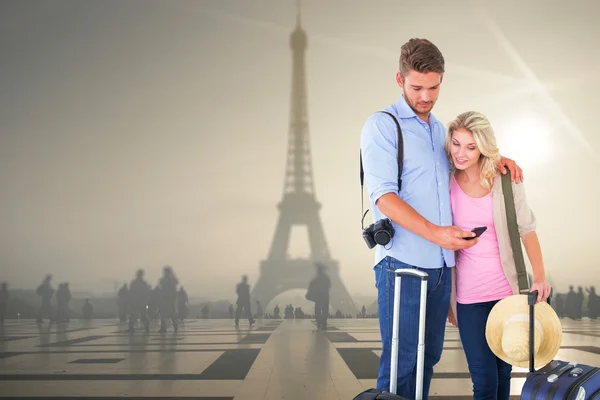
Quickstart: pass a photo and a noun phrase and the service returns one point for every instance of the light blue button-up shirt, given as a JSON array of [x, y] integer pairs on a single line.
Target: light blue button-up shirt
[[425, 180]]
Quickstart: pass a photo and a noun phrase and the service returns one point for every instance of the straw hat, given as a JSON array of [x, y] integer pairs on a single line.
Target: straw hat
[[507, 332]]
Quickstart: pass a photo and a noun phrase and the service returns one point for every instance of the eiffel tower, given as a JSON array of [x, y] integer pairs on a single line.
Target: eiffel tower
[[299, 206]]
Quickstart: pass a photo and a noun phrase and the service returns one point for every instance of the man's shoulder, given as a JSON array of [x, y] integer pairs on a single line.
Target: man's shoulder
[[380, 114], [382, 123]]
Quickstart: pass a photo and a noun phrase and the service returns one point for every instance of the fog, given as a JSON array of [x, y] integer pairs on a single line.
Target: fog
[[143, 133]]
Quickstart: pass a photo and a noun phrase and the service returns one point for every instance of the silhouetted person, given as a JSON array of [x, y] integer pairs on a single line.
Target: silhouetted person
[[231, 311], [318, 291], [571, 303], [168, 297], [123, 303], [559, 304], [153, 304], [45, 291], [363, 312], [243, 301], [87, 310], [182, 303], [276, 312], [593, 303], [3, 302], [298, 313], [205, 311], [579, 304], [139, 296], [63, 297], [288, 313], [259, 310]]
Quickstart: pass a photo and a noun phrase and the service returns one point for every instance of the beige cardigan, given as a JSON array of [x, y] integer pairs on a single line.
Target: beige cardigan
[[525, 221]]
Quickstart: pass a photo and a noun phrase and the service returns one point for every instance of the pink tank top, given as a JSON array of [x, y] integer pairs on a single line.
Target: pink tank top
[[479, 273]]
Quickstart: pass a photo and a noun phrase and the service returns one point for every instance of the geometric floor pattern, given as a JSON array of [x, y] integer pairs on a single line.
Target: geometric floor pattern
[[212, 359]]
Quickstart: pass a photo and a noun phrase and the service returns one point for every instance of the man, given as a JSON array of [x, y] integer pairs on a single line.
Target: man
[[182, 304], [168, 296], [3, 302], [420, 213], [318, 291], [139, 297], [87, 310], [243, 301], [46, 292]]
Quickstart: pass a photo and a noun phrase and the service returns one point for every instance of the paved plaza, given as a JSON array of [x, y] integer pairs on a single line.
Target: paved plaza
[[212, 359]]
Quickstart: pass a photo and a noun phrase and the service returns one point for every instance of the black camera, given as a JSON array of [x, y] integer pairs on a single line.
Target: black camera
[[381, 232]]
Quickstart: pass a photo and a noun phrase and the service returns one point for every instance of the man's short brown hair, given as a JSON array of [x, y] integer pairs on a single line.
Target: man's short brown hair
[[422, 56]]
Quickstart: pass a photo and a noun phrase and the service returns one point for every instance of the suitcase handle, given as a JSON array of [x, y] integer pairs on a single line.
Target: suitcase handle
[[531, 300], [554, 377], [412, 272], [422, 275]]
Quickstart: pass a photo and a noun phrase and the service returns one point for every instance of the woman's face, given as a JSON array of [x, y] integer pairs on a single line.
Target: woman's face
[[463, 149]]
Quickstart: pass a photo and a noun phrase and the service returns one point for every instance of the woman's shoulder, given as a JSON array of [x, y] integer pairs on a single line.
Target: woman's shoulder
[[497, 181], [517, 188]]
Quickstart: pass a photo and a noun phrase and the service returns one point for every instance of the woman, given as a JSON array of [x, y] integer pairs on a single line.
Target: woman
[[485, 273]]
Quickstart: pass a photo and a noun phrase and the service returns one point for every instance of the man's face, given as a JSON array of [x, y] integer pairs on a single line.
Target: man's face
[[421, 90]]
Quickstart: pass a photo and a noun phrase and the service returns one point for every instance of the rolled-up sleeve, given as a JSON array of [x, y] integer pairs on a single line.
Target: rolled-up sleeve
[[378, 146], [525, 217]]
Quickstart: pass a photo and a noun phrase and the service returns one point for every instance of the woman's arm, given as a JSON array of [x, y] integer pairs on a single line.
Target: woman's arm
[[534, 252], [527, 225], [452, 316]]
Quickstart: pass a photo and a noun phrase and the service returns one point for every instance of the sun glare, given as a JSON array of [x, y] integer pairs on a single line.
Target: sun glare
[[526, 139]]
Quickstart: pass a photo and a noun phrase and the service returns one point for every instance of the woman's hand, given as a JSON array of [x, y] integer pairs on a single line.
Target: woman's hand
[[452, 318], [543, 288]]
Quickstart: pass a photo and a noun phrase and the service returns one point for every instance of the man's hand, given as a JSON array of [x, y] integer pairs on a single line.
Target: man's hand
[[452, 317], [543, 288], [451, 238], [516, 173]]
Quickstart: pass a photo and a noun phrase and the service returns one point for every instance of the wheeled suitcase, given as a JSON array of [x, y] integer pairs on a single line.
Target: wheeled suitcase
[[375, 394], [559, 379]]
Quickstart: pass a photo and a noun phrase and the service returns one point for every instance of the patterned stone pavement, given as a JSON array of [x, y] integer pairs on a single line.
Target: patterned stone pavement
[[212, 359]]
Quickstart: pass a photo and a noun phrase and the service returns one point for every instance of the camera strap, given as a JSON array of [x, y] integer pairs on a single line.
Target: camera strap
[[400, 158]]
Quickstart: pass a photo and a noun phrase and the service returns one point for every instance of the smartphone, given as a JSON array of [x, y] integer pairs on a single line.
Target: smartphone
[[478, 231]]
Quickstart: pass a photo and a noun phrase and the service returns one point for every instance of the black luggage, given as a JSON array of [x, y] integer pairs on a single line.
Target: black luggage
[[375, 394], [559, 379]]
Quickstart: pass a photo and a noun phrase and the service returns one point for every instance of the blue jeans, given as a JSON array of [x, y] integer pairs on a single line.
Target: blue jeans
[[438, 302], [490, 375]]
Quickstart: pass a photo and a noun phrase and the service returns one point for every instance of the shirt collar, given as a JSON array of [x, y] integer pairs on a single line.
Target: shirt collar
[[404, 111]]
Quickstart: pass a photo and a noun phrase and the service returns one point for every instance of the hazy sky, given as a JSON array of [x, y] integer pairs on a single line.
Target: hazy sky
[[135, 134]]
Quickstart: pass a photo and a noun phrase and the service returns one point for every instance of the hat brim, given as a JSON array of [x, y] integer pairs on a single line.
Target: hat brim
[[545, 316]]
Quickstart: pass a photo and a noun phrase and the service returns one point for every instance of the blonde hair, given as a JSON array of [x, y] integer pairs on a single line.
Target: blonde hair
[[481, 129]]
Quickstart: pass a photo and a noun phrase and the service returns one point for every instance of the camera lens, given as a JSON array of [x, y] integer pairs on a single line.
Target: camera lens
[[382, 237]]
